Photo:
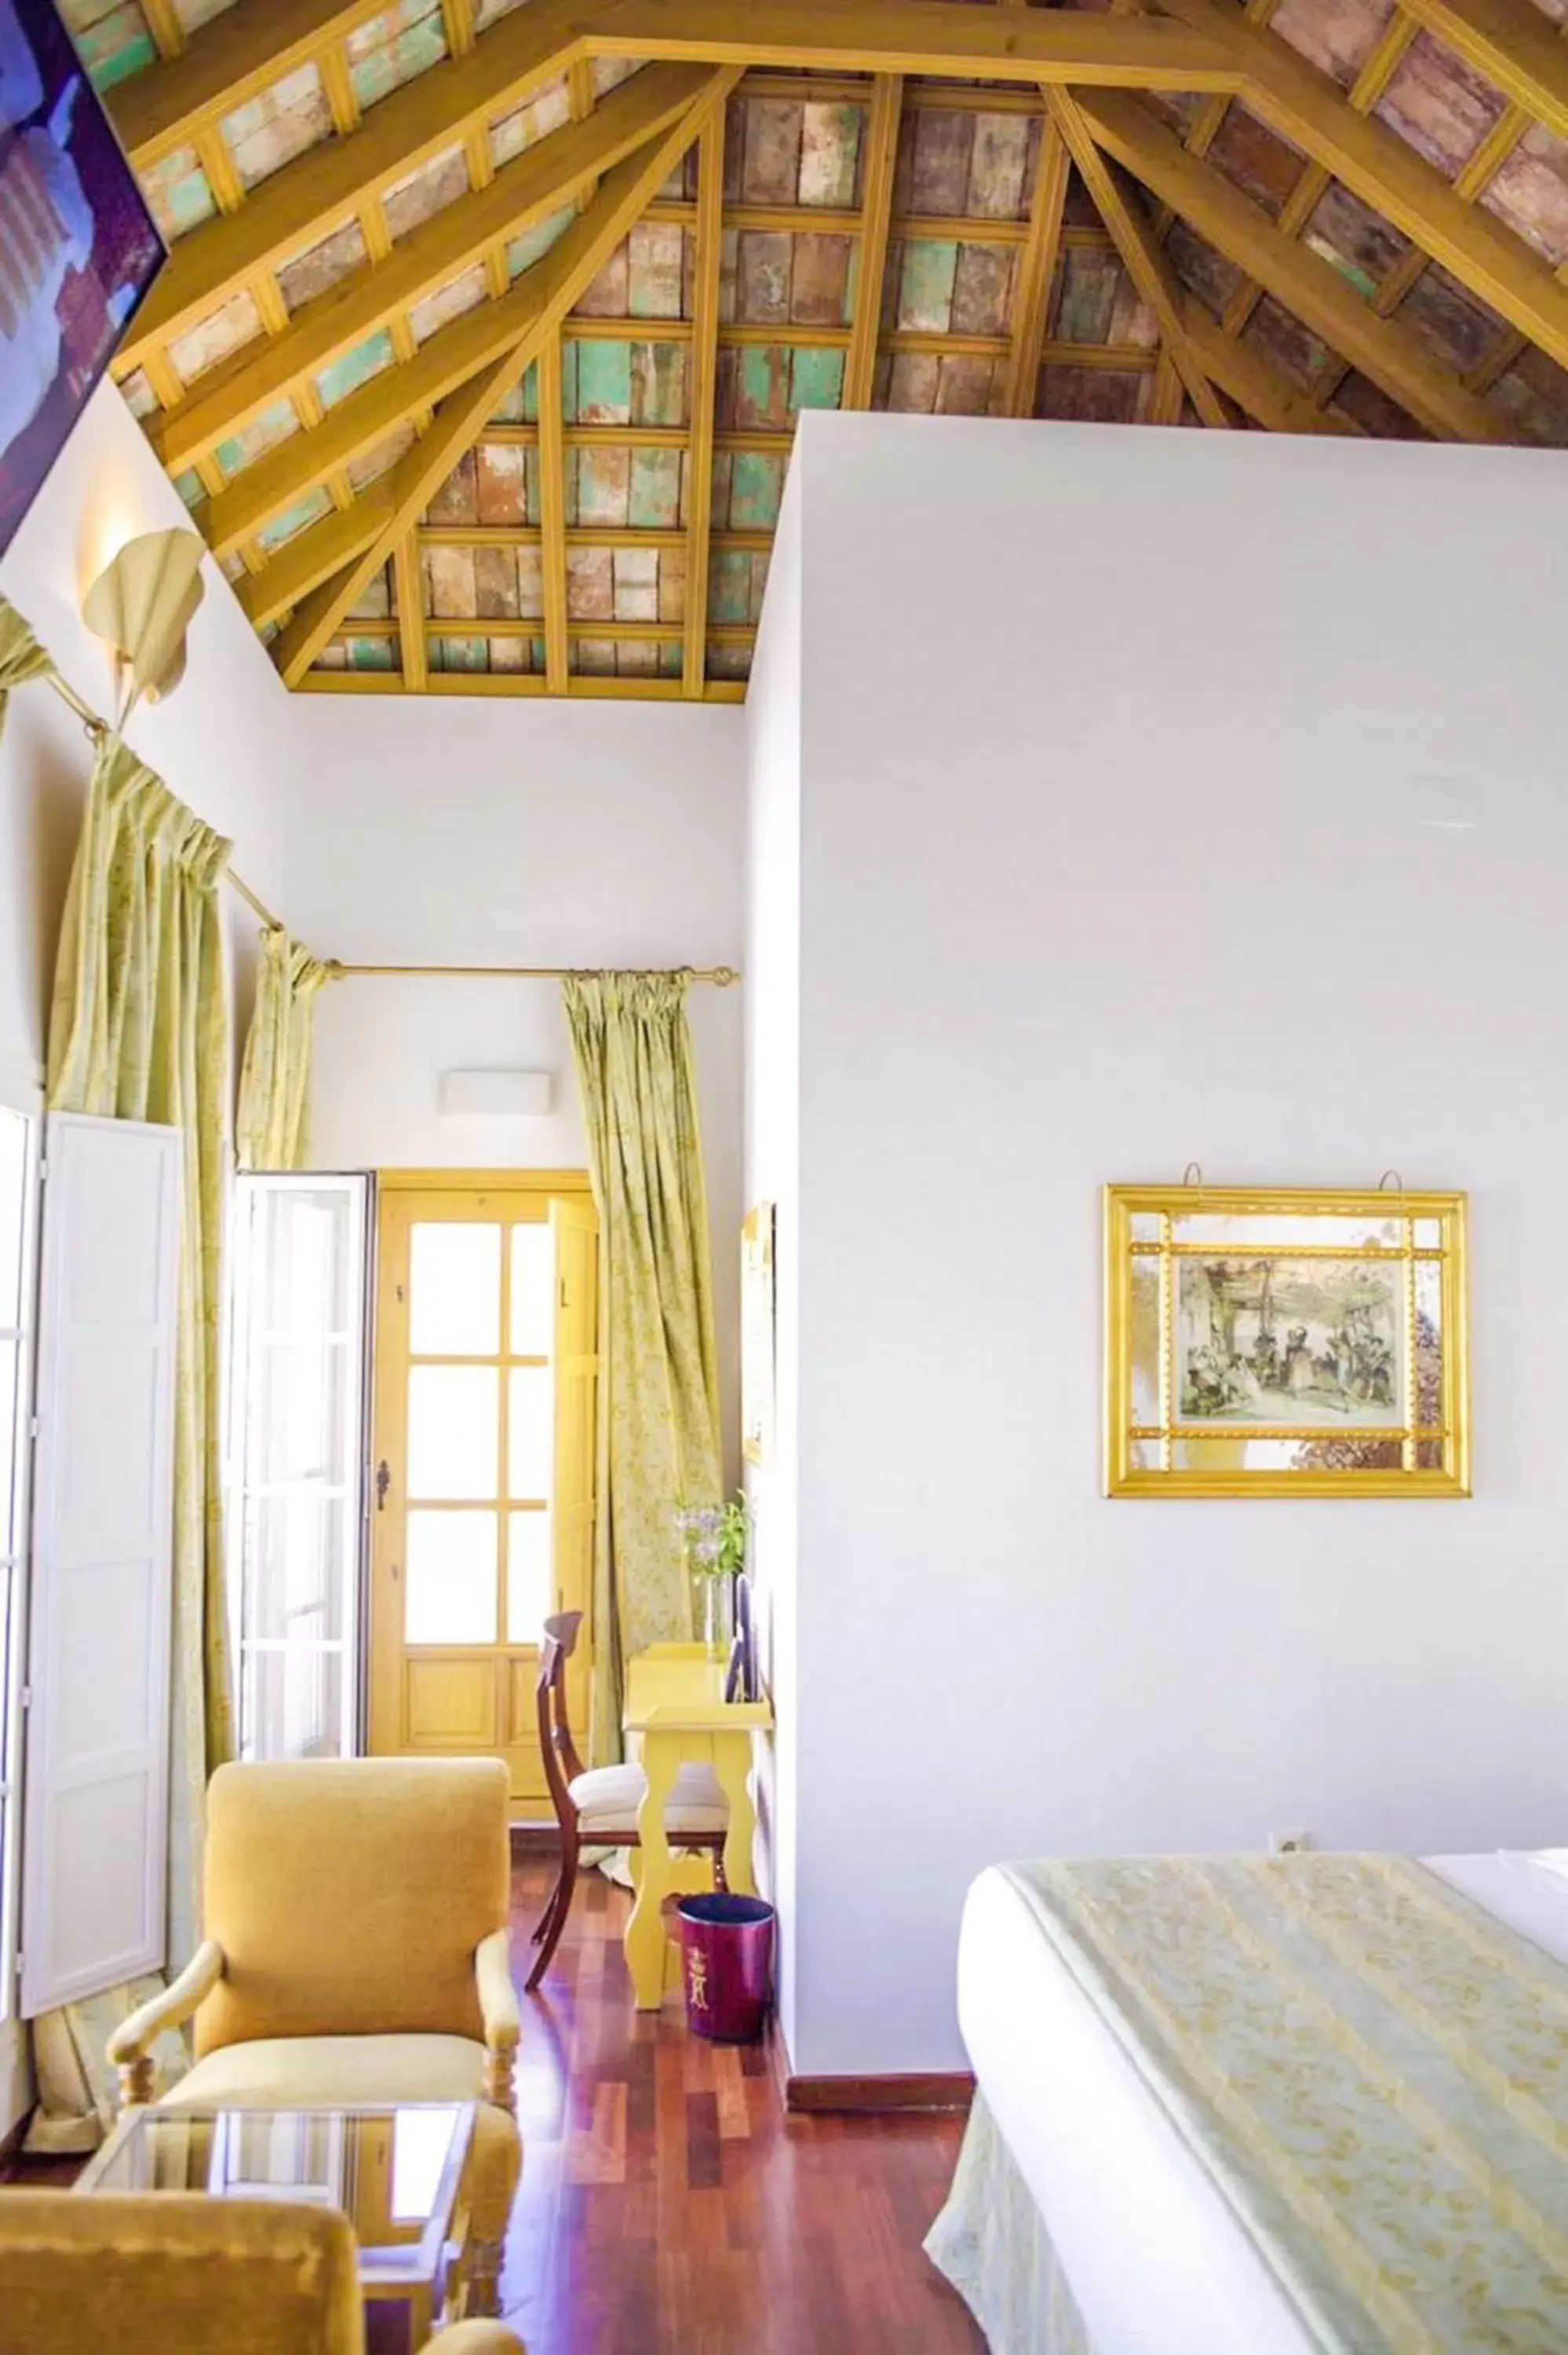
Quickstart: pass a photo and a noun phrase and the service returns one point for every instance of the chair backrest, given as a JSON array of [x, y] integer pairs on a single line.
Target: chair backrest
[[556, 1747], [175, 2270], [349, 1894]]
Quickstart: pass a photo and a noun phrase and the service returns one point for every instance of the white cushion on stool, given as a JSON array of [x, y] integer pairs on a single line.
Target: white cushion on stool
[[607, 1800]]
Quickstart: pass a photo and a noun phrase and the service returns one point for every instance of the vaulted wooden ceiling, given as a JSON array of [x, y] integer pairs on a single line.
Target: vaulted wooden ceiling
[[487, 322]]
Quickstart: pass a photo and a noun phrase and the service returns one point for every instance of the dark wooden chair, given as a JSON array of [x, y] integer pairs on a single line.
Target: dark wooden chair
[[596, 1807]]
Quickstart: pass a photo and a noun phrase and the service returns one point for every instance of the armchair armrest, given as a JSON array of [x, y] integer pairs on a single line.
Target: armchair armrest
[[498, 2010], [131, 2046]]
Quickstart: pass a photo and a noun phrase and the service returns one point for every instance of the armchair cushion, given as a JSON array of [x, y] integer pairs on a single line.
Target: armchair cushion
[[607, 1800], [303, 2072], [349, 1897], [280, 2073]]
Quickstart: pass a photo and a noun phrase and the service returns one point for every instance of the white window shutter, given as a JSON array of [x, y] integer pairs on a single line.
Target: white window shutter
[[297, 1450], [97, 1759]]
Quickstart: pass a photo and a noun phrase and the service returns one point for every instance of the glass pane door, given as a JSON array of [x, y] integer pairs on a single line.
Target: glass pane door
[[297, 1458], [468, 1560], [480, 1431]]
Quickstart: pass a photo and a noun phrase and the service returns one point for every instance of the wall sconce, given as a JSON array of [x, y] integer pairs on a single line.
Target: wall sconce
[[141, 605]]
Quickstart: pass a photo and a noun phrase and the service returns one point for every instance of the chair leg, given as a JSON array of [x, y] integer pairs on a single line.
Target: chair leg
[[555, 1917], [541, 1927]]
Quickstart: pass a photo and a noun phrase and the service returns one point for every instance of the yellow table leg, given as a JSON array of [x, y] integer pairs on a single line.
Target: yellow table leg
[[645, 1937], [732, 1764]]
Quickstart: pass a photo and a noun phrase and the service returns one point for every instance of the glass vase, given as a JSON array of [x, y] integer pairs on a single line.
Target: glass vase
[[718, 1616]]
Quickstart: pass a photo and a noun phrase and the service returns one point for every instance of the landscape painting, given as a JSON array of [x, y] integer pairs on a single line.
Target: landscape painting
[[1303, 1343]]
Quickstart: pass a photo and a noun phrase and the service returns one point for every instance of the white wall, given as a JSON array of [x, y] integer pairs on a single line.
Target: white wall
[[773, 1175], [498, 833], [1120, 753], [221, 742]]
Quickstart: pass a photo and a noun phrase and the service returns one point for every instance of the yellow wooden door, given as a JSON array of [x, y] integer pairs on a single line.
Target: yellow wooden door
[[484, 1504]]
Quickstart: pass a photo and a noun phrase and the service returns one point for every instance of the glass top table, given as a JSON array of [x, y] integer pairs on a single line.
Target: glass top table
[[395, 2171]]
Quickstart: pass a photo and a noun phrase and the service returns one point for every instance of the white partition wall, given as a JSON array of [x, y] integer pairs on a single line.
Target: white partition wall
[[94, 1897], [1161, 797]]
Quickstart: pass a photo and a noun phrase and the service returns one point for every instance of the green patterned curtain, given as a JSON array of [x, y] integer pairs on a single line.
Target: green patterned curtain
[[140, 1030], [657, 1396], [272, 1124], [21, 656]]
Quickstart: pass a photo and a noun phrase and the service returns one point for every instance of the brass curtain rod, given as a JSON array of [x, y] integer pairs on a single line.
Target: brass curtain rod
[[723, 976], [97, 729]]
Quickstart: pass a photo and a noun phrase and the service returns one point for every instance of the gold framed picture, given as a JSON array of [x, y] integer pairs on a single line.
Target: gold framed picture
[[1264, 1341], [758, 1343]]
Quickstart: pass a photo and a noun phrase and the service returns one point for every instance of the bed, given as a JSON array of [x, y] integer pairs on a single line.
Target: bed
[[1089, 2218]]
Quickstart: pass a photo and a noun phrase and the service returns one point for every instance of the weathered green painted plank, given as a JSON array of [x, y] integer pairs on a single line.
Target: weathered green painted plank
[[603, 389], [654, 503], [756, 488], [817, 379]]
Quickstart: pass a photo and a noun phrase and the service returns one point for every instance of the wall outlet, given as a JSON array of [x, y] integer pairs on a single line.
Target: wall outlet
[[1293, 1839]]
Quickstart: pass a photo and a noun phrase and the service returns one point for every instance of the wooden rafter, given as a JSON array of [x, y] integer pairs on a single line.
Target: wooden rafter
[[1210, 119], [871, 226], [237, 55], [1377, 165], [324, 187], [543, 180], [286, 475], [1377, 72], [702, 380], [1166, 400], [553, 513], [919, 37], [505, 685], [1134, 237], [1079, 65], [1251, 382], [553, 286], [367, 417], [1512, 44], [273, 593], [1036, 272], [409, 577], [411, 485], [1470, 183], [1307, 284], [1477, 175]]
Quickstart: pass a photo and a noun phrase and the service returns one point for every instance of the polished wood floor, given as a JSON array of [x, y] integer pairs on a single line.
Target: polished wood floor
[[668, 2207]]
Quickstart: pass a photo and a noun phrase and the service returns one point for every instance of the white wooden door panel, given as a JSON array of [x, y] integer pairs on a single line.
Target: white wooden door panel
[[96, 1837]]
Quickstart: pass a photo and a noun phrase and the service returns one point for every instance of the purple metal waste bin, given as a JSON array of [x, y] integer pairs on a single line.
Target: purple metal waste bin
[[726, 1965]]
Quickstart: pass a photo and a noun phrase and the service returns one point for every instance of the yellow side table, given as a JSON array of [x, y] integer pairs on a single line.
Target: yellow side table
[[676, 1710]]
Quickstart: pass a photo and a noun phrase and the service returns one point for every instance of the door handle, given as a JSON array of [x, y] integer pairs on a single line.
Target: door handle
[[383, 1482]]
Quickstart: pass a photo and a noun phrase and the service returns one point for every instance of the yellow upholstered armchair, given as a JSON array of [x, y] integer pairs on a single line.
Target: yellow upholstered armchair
[[356, 1950], [170, 2273]]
